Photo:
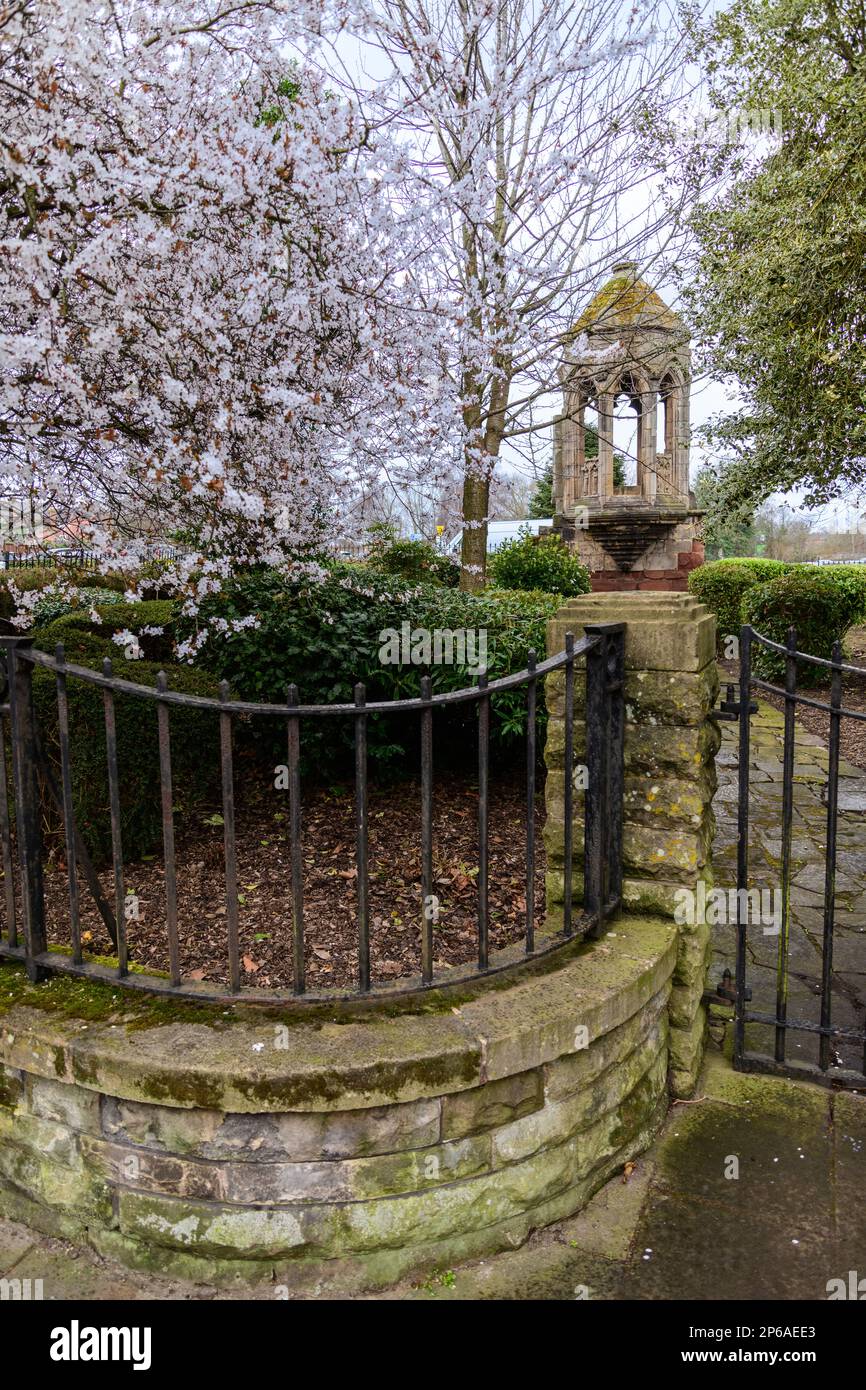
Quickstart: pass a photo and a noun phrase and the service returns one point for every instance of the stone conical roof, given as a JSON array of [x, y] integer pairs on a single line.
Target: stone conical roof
[[627, 301]]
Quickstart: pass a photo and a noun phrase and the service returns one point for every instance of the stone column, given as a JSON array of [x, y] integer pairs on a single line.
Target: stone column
[[649, 408], [605, 446], [682, 437], [670, 778], [557, 489], [571, 454]]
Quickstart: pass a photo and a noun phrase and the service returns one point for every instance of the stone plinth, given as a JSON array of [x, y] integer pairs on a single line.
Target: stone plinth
[[630, 549], [670, 778]]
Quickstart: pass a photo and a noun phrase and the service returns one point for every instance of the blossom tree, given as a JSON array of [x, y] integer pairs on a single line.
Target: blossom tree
[[529, 121], [206, 319]]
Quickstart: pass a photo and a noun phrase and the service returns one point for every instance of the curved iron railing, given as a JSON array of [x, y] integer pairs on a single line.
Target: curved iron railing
[[33, 777]]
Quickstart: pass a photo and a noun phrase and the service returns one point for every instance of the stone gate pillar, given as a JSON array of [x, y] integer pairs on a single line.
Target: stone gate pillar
[[670, 778]]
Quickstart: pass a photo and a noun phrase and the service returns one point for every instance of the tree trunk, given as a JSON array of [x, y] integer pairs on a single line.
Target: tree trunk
[[473, 549]]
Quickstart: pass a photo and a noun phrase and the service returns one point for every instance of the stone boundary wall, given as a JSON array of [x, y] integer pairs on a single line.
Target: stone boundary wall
[[341, 1154], [671, 685]]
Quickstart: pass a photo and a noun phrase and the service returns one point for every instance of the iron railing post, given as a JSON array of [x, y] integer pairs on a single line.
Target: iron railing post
[[27, 809], [787, 823], [830, 862], [743, 841], [567, 789], [605, 716]]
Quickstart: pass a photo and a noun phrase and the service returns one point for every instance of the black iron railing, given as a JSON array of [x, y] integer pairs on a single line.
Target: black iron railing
[[70, 558], [780, 1020], [33, 778]]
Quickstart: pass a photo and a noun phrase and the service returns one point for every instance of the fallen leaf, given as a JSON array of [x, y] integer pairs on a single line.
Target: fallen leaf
[[250, 965]]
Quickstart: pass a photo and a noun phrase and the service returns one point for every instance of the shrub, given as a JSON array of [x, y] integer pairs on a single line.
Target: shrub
[[851, 578], [723, 584], [194, 753], [327, 636], [28, 578], [821, 607], [541, 563], [413, 560], [54, 606], [80, 635]]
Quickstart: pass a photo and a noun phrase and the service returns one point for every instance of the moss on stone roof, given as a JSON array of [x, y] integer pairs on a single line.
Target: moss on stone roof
[[626, 301]]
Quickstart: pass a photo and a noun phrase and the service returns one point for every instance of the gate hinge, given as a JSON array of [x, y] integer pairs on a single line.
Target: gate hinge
[[725, 991], [729, 708]]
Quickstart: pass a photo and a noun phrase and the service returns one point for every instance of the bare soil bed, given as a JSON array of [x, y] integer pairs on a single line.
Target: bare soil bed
[[330, 886]]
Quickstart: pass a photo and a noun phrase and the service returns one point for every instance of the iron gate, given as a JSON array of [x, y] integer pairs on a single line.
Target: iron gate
[[841, 1047]]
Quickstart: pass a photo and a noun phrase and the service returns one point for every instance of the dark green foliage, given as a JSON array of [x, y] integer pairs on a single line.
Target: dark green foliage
[[723, 584], [81, 636], [327, 636], [415, 560], [542, 563], [820, 605], [541, 501], [778, 290], [194, 748]]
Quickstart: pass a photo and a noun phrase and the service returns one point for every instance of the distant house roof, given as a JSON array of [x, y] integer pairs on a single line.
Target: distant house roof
[[498, 532]]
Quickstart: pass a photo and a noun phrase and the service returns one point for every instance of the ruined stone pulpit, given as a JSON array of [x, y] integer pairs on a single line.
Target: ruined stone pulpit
[[644, 535]]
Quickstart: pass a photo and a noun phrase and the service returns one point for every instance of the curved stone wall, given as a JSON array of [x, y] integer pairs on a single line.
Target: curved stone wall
[[339, 1152]]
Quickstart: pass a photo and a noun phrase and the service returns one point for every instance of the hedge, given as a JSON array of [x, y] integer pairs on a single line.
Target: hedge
[[53, 606], [326, 636], [81, 636], [194, 752], [817, 603], [723, 584]]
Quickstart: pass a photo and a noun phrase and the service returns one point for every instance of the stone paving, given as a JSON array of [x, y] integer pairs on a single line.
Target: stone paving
[[808, 850]]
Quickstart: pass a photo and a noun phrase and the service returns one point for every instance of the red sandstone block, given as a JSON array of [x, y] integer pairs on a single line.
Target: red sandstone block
[[688, 560]]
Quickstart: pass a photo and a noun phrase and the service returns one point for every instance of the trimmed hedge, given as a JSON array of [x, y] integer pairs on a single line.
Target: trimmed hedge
[[852, 578], [53, 606], [33, 577], [194, 751], [726, 587], [817, 603], [539, 563], [81, 637], [723, 584]]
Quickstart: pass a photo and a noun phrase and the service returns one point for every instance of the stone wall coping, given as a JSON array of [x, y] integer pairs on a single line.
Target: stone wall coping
[[248, 1066]]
